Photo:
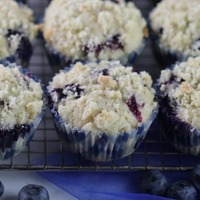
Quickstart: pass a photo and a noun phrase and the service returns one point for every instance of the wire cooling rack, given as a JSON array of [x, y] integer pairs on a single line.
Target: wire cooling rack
[[47, 152]]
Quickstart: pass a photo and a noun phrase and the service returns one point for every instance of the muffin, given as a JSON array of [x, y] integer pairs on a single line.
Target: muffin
[[102, 110], [175, 30], [92, 30], [21, 108], [17, 32], [179, 98]]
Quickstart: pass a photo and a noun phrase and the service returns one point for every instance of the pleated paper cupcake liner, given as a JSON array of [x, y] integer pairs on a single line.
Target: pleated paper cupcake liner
[[101, 147], [183, 136]]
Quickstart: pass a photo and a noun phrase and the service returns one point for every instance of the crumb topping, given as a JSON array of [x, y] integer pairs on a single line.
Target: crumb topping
[[177, 26], [94, 29], [104, 97], [20, 97], [16, 22], [181, 85]]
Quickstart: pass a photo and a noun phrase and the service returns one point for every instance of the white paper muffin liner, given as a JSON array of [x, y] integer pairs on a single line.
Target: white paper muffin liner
[[101, 147], [19, 142]]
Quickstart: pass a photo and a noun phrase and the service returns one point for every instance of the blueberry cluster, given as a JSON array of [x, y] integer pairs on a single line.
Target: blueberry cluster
[[24, 50], [7, 136], [155, 183], [30, 192], [113, 43]]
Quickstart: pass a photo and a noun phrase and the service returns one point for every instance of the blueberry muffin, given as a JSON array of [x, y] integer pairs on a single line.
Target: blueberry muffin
[[102, 110], [17, 31], [175, 29], [93, 30], [179, 98], [21, 109]]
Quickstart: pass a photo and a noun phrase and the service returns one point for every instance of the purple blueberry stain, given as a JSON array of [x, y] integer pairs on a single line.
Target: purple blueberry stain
[[24, 49], [12, 32], [2, 103], [134, 108], [115, 1], [8, 136], [58, 94], [112, 43], [196, 45], [161, 31], [75, 89], [105, 72]]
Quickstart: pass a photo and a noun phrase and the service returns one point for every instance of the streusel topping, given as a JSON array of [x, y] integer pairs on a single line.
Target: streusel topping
[[181, 85], [104, 97], [94, 29], [20, 97]]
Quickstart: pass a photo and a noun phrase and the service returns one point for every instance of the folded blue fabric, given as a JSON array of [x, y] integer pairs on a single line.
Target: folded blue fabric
[[100, 185]]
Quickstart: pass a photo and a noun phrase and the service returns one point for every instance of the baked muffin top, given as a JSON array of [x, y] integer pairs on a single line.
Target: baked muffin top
[[181, 86], [16, 21], [94, 29], [104, 97], [177, 26], [20, 97]]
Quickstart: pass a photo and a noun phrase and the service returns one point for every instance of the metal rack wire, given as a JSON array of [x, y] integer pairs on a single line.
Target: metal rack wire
[[47, 152]]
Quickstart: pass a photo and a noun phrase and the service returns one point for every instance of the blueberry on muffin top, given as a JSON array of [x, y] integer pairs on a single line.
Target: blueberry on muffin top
[[104, 97], [177, 26], [16, 27], [181, 87], [94, 29], [20, 98]]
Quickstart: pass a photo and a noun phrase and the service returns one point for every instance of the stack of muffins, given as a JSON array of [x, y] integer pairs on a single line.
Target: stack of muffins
[[101, 107]]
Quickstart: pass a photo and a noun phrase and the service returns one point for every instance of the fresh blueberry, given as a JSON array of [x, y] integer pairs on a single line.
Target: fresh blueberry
[[182, 190], [33, 192], [196, 177], [1, 188], [154, 182]]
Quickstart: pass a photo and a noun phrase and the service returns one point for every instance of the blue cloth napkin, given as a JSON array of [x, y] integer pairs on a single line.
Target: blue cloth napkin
[[100, 185]]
